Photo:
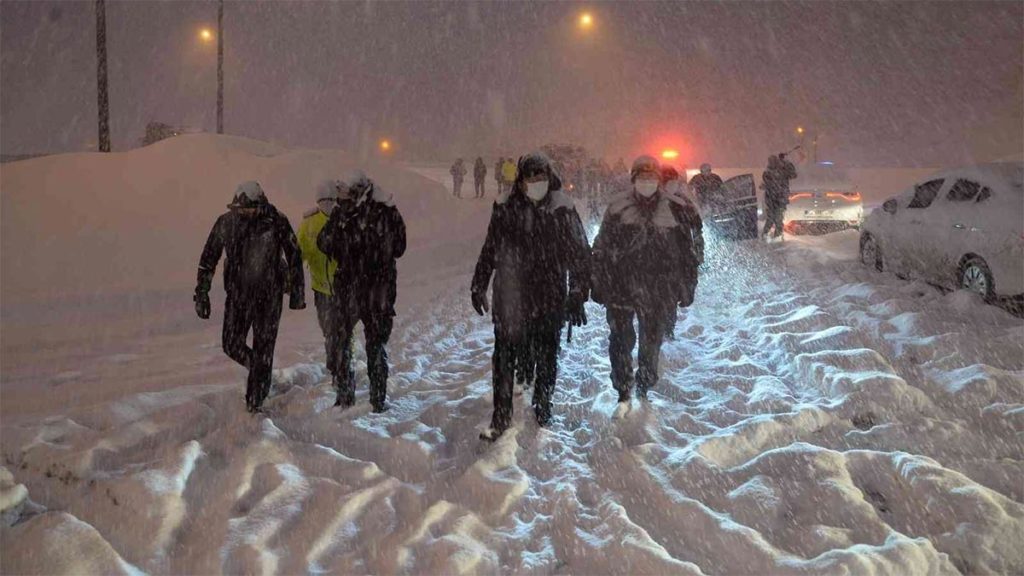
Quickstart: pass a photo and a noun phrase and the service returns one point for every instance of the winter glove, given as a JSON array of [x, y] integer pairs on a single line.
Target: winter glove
[[297, 301], [202, 300], [574, 312], [480, 302]]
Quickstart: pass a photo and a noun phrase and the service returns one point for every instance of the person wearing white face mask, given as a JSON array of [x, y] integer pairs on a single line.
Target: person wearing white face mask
[[644, 266], [538, 254]]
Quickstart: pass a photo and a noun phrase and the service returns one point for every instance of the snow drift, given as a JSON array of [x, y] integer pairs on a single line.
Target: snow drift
[[813, 416]]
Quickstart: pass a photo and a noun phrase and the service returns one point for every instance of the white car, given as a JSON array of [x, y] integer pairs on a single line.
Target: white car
[[958, 229], [823, 198]]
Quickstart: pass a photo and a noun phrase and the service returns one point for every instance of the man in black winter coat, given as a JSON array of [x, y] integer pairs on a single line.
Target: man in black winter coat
[[776, 193], [706, 186], [479, 175], [644, 267], [367, 234], [537, 251], [262, 262]]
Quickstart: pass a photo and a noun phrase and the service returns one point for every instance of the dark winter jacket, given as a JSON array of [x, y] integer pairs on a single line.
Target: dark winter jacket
[[776, 183], [706, 188], [479, 170], [497, 170], [368, 236], [644, 254], [458, 170], [262, 254], [533, 250]]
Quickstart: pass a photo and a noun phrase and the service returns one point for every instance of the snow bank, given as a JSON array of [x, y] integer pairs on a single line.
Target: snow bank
[[813, 416]]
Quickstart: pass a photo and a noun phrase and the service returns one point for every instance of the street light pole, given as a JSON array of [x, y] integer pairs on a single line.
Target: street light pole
[[101, 76], [220, 67]]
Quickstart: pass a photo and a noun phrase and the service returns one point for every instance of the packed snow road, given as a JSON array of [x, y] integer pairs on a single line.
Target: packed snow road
[[812, 416]]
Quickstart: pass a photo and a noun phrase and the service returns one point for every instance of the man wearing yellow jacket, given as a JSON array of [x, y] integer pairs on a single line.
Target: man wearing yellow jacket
[[322, 268]]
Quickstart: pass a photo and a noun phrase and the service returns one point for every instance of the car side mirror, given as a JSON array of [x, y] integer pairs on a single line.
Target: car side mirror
[[889, 206]]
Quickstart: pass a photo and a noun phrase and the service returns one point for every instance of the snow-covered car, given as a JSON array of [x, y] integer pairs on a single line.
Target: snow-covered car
[[822, 198], [732, 209], [958, 229]]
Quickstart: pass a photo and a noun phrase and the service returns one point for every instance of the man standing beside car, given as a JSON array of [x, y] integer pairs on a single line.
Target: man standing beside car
[[776, 193]]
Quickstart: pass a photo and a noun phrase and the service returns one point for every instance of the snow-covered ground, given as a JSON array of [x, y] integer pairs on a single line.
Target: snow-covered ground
[[813, 416]]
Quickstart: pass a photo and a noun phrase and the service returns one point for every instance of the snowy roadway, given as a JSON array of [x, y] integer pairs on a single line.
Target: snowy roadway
[[812, 416]]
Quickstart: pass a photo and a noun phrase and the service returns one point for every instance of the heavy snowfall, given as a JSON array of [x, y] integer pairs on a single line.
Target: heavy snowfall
[[815, 413]]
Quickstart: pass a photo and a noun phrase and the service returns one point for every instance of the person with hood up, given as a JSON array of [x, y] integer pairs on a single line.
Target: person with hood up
[[479, 174], [776, 193], [322, 268], [537, 252], [366, 234], [644, 267], [262, 262], [706, 186], [508, 173], [458, 172]]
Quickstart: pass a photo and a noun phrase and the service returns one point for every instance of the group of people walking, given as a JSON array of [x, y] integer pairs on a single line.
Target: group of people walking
[[643, 265], [536, 262], [350, 243], [504, 175]]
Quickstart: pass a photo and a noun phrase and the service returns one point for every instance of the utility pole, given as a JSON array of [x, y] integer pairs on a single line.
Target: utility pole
[[220, 67], [101, 76]]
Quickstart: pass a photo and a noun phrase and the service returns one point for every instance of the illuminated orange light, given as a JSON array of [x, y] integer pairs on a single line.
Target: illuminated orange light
[[670, 154], [206, 34], [385, 145], [586, 20], [799, 195], [850, 196]]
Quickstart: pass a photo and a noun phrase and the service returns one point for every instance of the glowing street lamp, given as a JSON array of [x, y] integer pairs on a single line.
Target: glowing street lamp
[[800, 130], [206, 35], [670, 154], [385, 145], [586, 21]]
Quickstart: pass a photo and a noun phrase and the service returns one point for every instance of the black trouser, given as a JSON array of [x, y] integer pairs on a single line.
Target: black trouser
[[457, 187], [261, 313], [542, 342], [328, 315], [525, 364], [377, 326], [478, 186], [653, 322], [773, 218]]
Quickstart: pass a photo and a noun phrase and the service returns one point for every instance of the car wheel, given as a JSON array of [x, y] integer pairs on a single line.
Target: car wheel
[[870, 252], [975, 276]]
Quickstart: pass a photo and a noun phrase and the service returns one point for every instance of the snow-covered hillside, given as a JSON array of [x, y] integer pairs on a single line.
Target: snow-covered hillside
[[813, 416]]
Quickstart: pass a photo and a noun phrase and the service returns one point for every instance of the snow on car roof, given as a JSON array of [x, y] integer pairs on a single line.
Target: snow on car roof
[[1001, 175]]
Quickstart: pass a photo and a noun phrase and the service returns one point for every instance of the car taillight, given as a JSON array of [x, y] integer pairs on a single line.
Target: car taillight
[[848, 196], [800, 195]]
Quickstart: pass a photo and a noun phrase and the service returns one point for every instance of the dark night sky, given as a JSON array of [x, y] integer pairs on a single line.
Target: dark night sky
[[917, 83]]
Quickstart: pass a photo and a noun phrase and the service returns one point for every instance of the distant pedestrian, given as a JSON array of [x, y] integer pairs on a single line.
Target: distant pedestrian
[[479, 174], [458, 172], [508, 174], [497, 175]]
